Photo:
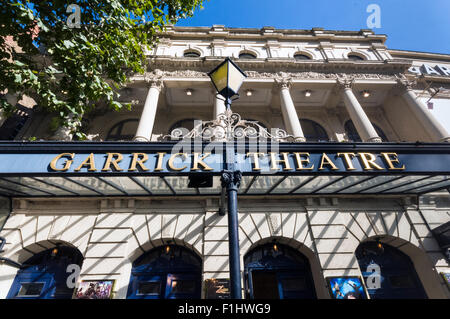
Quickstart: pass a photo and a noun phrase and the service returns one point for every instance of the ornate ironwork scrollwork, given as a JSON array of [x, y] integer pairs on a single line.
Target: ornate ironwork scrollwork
[[229, 126]]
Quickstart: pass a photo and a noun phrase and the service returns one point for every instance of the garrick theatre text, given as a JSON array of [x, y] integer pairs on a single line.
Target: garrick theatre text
[[248, 162]]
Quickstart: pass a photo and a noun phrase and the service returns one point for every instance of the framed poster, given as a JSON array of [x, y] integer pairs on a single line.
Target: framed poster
[[217, 288], [346, 287], [446, 277], [94, 289]]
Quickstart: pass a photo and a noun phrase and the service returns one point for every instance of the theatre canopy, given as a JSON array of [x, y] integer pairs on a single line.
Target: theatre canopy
[[61, 169]]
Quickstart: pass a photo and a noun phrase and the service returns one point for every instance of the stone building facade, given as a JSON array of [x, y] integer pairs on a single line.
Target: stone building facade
[[320, 87]]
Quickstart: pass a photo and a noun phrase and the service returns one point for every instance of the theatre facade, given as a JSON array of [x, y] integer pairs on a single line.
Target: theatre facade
[[341, 160]]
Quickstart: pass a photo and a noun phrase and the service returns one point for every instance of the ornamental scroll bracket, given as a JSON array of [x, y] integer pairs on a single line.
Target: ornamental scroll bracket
[[229, 126]]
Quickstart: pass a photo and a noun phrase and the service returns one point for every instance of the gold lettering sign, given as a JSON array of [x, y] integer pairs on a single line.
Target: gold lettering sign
[[300, 161], [89, 161], [256, 156], [136, 161], [199, 161], [115, 162], [348, 160], [278, 161], [368, 160], [327, 161], [390, 161], [160, 162], [172, 158], [66, 164], [274, 161]]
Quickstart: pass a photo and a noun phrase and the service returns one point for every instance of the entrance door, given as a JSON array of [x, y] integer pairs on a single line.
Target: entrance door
[[45, 274], [32, 285], [397, 276], [145, 286], [264, 284], [169, 272], [278, 272], [183, 286]]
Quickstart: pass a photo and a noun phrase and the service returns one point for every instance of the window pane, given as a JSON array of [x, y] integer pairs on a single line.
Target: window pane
[[402, 281], [313, 131], [31, 289], [293, 284], [301, 57], [355, 57], [352, 133], [149, 288], [246, 56], [191, 54], [183, 286], [123, 130]]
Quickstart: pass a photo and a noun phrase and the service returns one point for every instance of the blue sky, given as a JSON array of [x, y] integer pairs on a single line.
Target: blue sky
[[418, 25]]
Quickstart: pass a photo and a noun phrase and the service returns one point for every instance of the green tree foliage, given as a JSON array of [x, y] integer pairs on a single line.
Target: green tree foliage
[[66, 69]]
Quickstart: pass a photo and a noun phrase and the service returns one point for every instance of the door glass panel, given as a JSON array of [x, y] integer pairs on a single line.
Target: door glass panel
[[293, 284], [265, 285], [30, 289], [183, 286], [401, 282], [149, 288]]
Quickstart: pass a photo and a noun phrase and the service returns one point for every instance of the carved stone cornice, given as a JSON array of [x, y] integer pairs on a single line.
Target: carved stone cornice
[[278, 76], [261, 65], [159, 74]]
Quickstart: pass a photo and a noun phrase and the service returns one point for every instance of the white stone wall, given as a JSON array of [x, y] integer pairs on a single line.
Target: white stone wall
[[111, 234]]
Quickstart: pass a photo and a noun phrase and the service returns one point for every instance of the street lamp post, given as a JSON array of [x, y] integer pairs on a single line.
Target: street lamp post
[[227, 79]]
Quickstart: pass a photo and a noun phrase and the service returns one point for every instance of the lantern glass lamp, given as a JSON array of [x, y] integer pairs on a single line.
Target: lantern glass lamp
[[227, 78]]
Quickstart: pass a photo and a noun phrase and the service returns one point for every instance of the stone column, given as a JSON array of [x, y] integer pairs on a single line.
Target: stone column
[[290, 117], [437, 132], [147, 120], [359, 118]]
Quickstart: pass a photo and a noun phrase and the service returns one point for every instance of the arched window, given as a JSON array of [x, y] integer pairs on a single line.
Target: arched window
[[167, 272], [247, 55], [275, 271], [45, 274], [313, 131], [301, 56], [352, 133], [397, 275], [191, 54], [123, 131], [355, 57]]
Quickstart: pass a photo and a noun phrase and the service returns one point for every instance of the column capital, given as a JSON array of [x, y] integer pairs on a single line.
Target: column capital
[[156, 83], [231, 179], [406, 84], [345, 83], [283, 83]]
